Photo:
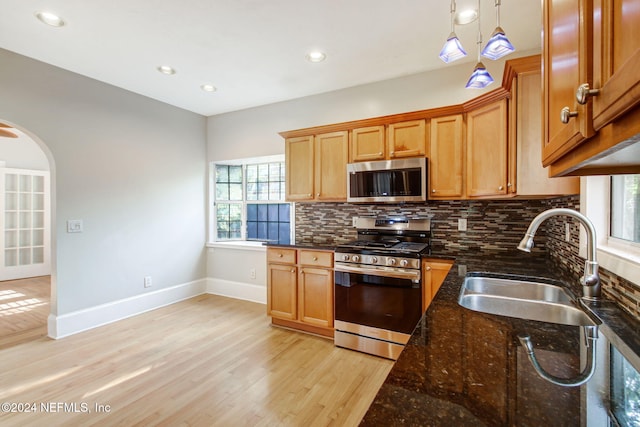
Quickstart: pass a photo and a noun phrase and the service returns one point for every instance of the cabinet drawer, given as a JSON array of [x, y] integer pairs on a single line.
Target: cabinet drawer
[[281, 255], [316, 258]]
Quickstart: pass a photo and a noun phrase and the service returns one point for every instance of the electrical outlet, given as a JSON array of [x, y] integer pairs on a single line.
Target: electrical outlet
[[462, 224], [74, 226], [567, 232], [252, 273], [147, 281]]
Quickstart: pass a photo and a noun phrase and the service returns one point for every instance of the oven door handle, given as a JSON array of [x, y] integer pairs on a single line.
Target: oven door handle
[[379, 271]]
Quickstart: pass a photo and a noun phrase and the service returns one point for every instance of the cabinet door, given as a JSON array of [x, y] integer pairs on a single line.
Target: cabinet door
[[487, 150], [433, 275], [446, 157], [299, 168], [315, 289], [332, 154], [616, 59], [281, 291], [367, 144], [407, 139], [566, 64]]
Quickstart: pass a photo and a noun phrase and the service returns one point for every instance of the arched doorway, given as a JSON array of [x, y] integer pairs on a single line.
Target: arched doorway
[[27, 276]]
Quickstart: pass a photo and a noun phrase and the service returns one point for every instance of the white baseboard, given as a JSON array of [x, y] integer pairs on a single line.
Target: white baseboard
[[82, 320], [238, 290]]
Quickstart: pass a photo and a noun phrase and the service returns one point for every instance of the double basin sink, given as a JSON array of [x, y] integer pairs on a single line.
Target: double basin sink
[[523, 298]]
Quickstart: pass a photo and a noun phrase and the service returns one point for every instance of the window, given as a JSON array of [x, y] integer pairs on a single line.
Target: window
[[625, 390], [613, 205], [625, 207], [249, 201]]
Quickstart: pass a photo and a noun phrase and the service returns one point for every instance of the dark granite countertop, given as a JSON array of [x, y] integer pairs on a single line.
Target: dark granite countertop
[[462, 367]]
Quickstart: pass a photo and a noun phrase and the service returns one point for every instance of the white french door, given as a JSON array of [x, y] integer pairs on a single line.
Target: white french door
[[25, 223]]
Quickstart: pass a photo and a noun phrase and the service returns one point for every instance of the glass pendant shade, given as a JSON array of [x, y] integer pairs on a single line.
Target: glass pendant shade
[[480, 78], [452, 49], [498, 45]]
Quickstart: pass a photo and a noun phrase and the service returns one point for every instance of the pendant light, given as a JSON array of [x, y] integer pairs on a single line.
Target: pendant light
[[498, 45], [452, 49], [480, 78]]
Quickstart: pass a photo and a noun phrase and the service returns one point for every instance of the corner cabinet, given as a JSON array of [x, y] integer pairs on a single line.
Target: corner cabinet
[[300, 289], [316, 167]]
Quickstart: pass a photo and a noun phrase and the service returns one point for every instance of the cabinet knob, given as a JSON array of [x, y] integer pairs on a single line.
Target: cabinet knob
[[293, 270], [433, 191], [428, 268], [309, 195], [280, 255], [315, 258], [500, 188], [393, 153], [566, 114], [584, 92], [508, 185], [317, 194], [380, 153]]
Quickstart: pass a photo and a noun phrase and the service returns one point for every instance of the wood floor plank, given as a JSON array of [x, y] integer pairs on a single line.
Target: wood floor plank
[[207, 361]]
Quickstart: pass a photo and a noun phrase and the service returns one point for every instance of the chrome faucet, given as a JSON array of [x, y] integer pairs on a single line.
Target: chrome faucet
[[591, 289]]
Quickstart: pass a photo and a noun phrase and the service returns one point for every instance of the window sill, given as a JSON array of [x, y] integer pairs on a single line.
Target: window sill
[[620, 262], [239, 244]]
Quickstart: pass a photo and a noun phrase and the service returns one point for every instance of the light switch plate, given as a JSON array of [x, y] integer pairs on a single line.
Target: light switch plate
[[74, 226]]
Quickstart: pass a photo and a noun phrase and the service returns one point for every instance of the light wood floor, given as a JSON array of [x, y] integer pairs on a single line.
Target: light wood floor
[[24, 307], [207, 361]]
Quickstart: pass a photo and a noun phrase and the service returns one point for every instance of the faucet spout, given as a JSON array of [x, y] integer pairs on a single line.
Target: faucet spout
[[591, 288]]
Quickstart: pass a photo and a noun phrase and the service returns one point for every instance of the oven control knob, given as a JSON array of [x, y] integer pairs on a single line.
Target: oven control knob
[[345, 257], [391, 261], [356, 258], [374, 260], [404, 262]]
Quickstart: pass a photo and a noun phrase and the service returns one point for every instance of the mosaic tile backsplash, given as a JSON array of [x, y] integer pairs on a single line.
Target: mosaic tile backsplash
[[491, 224]]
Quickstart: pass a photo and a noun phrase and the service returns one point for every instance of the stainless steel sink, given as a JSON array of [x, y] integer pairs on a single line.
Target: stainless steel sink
[[521, 298]]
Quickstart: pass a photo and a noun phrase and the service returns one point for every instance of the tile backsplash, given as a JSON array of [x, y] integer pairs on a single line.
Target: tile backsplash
[[491, 224]]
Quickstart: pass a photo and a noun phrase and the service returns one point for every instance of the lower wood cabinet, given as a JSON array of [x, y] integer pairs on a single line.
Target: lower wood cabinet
[[433, 274], [300, 289]]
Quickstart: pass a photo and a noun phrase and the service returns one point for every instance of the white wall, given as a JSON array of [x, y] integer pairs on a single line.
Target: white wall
[[254, 132], [133, 169], [22, 153]]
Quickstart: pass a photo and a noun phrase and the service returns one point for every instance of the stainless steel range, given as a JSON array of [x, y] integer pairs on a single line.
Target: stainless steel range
[[378, 284]]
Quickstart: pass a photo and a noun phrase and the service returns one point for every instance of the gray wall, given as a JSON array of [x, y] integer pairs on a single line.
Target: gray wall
[[133, 169], [254, 132]]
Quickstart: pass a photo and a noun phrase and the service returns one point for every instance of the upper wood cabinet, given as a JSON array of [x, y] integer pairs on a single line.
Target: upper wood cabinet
[[368, 144], [446, 157], [407, 139], [616, 60], [299, 163], [331, 158], [316, 167], [487, 150], [591, 86], [566, 62]]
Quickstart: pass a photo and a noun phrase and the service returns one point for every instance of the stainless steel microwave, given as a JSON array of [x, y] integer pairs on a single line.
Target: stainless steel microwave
[[388, 181]]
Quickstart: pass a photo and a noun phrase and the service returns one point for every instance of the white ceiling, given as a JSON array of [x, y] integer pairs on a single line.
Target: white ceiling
[[253, 51]]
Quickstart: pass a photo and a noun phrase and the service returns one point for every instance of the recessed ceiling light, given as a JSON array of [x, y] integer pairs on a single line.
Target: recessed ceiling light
[[316, 56], [208, 88], [466, 16], [50, 18], [165, 69]]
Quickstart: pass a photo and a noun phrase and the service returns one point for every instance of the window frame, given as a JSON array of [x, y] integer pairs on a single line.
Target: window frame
[[213, 222], [619, 256]]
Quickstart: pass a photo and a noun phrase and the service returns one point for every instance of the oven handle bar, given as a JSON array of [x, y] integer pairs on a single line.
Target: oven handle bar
[[379, 271]]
